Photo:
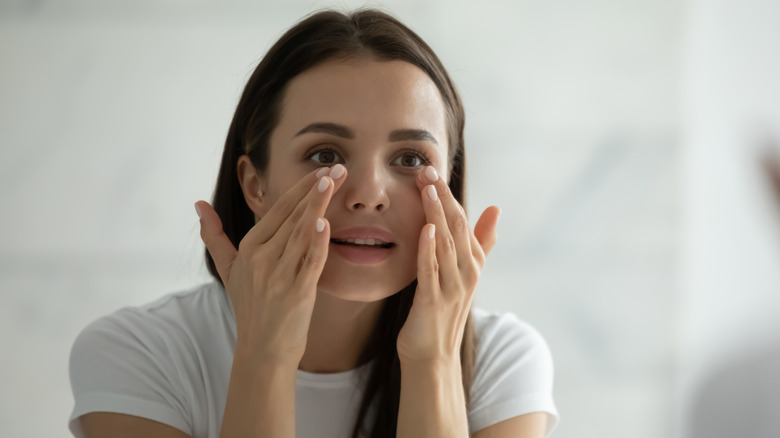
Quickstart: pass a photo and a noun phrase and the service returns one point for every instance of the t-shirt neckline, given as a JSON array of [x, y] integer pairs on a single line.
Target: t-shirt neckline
[[342, 378]]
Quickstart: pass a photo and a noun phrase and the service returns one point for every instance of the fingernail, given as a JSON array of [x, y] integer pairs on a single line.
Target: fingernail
[[432, 193], [320, 173], [431, 231], [323, 185], [431, 174], [337, 171], [197, 211], [320, 225]]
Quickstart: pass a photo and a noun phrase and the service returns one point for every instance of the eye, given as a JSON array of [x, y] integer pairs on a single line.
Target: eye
[[325, 156], [412, 158]]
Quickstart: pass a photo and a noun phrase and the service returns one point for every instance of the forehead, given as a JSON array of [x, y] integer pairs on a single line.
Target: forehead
[[369, 96]]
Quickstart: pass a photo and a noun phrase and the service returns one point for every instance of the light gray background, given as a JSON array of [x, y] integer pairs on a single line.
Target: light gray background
[[617, 136]]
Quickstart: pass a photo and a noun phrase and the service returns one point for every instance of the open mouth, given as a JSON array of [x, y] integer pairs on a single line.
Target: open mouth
[[364, 243]]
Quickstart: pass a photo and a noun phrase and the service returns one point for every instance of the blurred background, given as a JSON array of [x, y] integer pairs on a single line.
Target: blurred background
[[622, 138]]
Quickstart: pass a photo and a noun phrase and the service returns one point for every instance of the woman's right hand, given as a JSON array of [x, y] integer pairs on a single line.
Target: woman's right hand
[[272, 278]]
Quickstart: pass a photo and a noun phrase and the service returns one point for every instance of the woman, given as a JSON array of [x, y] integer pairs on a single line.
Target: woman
[[344, 265]]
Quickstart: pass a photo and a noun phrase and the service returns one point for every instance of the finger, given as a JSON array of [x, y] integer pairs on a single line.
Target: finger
[[316, 255], [217, 242], [286, 205], [446, 246], [457, 222], [281, 238], [297, 244], [427, 265], [485, 230]]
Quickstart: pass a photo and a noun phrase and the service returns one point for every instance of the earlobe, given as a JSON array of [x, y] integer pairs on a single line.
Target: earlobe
[[251, 186]]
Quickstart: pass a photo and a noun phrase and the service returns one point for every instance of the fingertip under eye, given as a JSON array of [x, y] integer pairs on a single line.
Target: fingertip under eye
[[432, 192], [431, 174], [323, 184], [337, 171]]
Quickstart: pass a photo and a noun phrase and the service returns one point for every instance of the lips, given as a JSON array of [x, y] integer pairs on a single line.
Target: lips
[[363, 236], [363, 245]]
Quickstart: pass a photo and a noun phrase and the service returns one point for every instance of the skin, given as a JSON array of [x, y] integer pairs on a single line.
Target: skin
[[371, 99], [297, 305]]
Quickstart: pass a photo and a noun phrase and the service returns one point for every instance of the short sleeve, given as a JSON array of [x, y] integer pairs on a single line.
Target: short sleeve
[[118, 366], [513, 372]]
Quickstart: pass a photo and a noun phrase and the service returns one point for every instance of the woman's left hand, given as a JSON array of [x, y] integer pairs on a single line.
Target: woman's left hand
[[449, 260]]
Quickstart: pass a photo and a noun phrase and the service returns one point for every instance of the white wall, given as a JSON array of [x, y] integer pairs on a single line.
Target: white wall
[[112, 118]]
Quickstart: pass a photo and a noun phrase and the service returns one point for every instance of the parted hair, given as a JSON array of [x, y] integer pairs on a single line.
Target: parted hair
[[320, 37]]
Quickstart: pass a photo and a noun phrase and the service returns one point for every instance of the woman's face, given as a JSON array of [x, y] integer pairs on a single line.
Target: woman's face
[[384, 121]]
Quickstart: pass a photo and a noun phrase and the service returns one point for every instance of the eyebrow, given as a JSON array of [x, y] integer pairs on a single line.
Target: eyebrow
[[328, 128], [344, 132], [412, 134]]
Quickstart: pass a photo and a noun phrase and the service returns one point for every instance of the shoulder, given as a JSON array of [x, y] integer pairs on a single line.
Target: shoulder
[[143, 360], [171, 316], [499, 333], [513, 370]]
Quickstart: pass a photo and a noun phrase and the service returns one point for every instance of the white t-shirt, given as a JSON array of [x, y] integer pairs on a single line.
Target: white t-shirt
[[170, 361]]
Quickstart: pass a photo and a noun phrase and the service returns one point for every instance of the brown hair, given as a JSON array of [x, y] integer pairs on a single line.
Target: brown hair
[[321, 37]]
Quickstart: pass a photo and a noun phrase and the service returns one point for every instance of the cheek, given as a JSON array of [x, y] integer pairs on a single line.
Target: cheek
[[413, 217], [411, 205]]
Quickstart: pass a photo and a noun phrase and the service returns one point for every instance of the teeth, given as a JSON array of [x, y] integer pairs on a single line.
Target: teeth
[[365, 241]]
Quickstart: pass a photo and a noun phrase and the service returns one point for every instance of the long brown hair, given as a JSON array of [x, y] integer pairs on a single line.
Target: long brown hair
[[321, 37]]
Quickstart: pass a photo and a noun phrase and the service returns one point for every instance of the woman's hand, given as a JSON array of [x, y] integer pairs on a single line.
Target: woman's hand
[[449, 260], [272, 278]]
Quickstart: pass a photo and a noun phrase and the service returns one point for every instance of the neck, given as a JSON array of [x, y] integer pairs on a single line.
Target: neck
[[338, 333]]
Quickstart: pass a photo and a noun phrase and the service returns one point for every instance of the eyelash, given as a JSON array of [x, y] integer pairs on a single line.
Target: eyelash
[[418, 153]]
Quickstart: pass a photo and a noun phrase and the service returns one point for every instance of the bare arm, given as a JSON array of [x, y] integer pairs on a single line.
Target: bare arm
[[260, 398], [531, 425], [432, 401], [103, 424], [433, 405]]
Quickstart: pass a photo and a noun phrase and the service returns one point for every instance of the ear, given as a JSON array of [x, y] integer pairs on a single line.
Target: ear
[[251, 182]]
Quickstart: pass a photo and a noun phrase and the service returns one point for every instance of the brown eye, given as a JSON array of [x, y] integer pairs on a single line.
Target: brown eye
[[409, 160], [325, 156]]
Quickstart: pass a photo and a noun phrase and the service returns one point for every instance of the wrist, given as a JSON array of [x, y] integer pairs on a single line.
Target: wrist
[[258, 361], [438, 364]]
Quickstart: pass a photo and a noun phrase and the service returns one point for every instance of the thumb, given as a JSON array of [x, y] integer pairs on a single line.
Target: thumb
[[485, 229], [217, 242]]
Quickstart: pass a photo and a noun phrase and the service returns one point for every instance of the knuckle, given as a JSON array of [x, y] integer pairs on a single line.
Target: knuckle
[[447, 245], [312, 260], [296, 234], [296, 216], [460, 224], [430, 267]]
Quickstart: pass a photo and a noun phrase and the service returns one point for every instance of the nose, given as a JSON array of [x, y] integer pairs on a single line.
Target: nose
[[365, 189]]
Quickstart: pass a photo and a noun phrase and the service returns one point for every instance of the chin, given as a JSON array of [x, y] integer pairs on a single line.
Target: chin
[[364, 289]]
